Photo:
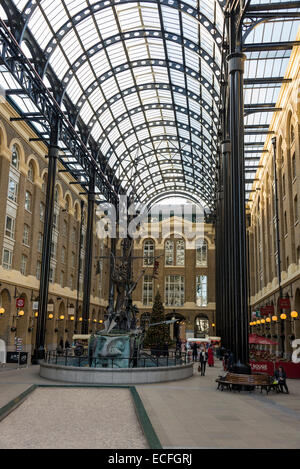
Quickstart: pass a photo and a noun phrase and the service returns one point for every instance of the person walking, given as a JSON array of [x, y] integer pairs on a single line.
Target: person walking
[[280, 375], [203, 360], [210, 359]]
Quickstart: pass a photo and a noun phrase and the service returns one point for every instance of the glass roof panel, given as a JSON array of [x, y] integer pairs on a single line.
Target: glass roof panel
[[144, 77]]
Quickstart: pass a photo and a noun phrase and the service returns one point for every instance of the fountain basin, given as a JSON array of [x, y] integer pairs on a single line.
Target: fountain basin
[[115, 376]]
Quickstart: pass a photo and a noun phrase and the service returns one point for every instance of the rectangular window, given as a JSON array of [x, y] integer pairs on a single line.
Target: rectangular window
[[201, 253], [40, 242], [28, 201], [38, 270], [63, 254], [169, 252], [148, 290], [201, 290], [7, 259], [180, 252], [296, 214], [26, 235], [53, 250], [23, 265], [51, 275], [62, 278], [10, 227], [12, 190], [148, 253], [42, 211], [174, 290]]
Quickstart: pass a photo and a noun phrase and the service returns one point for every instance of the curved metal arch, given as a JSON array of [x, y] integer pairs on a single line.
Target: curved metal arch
[[206, 192], [93, 50], [152, 195], [154, 164], [209, 165], [103, 4], [161, 123], [146, 63], [194, 157], [163, 195], [153, 124], [148, 193], [160, 86], [149, 107]]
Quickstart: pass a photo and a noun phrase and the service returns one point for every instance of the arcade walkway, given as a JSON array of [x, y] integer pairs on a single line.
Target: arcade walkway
[[192, 414]]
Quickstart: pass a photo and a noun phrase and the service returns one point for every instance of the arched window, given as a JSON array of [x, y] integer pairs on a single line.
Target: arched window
[[294, 170], [44, 186], [285, 224], [296, 214], [15, 159], [148, 253], [292, 134], [30, 172], [56, 195], [201, 253]]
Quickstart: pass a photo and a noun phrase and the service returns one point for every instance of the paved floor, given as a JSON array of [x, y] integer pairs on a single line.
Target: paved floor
[[76, 418], [193, 414]]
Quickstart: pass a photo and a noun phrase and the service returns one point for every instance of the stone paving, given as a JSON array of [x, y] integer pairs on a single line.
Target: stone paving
[[193, 414], [76, 418]]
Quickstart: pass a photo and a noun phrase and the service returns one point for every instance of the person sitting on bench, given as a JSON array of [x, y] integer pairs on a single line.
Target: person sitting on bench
[[280, 375]]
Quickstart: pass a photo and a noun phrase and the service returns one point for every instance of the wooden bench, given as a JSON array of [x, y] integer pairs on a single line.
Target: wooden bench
[[235, 381]]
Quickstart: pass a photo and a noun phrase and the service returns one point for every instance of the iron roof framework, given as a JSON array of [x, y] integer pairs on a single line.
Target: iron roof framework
[[138, 86], [138, 81]]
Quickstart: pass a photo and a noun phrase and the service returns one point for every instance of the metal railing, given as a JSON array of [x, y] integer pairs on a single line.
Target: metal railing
[[145, 360]]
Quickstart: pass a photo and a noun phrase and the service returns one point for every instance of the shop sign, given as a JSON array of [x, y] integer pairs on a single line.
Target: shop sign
[[71, 311], [35, 305], [284, 303], [268, 309], [50, 307]]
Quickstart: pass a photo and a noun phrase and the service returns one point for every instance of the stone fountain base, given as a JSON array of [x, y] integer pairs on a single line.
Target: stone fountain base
[[115, 376]]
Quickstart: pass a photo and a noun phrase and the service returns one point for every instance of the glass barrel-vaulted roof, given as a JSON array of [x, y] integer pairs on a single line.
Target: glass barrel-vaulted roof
[[144, 77]]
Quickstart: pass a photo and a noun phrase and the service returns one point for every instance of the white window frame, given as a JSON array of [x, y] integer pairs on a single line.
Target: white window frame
[[10, 232], [174, 290], [7, 265], [201, 296], [148, 289]]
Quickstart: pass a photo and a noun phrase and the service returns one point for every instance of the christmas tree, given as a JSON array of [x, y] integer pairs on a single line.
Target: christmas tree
[[157, 336]]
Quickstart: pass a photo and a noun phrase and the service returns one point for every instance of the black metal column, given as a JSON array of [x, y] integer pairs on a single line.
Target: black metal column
[[79, 264], [39, 351], [227, 240], [111, 297], [88, 257], [239, 299]]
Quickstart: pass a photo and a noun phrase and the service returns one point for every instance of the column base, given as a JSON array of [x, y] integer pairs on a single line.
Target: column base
[[37, 356], [241, 368]]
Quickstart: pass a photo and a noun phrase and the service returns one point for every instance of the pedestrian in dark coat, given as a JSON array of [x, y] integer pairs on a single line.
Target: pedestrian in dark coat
[[280, 375], [203, 360]]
